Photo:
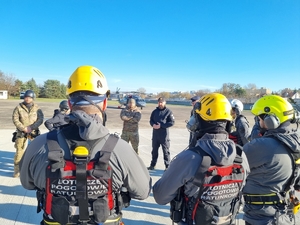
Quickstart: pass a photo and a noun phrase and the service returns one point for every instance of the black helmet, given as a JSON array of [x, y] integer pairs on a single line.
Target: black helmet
[[29, 93], [63, 105]]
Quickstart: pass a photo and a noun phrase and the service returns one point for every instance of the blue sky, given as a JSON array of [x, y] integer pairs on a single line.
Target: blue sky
[[155, 44]]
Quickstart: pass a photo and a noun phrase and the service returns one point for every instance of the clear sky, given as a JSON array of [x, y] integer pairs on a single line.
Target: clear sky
[[159, 45]]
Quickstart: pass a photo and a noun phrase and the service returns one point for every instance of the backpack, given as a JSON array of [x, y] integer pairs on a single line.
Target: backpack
[[78, 189], [295, 153], [219, 194]]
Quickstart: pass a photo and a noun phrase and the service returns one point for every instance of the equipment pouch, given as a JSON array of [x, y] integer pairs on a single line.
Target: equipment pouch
[[177, 207], [40, 199], [60, 209], [126, 199], [35, 133], [14, 136], [101, 210]]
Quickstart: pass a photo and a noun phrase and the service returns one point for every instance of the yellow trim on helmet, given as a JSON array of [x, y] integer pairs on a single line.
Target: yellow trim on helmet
[[214, 106], [274, 105], [87, 78]]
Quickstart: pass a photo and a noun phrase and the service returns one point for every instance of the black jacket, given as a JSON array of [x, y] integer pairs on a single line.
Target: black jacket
[[56, 121], [164, 117]]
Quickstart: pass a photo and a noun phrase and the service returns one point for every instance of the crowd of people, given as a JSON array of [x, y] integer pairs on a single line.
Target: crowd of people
[[227, 165]]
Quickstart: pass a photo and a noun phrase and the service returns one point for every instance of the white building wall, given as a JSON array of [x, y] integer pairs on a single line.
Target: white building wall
[[3, 94]]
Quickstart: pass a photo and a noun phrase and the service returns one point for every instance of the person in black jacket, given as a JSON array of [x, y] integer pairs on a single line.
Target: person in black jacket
[[58, 118], [193, 139], [161, 119]]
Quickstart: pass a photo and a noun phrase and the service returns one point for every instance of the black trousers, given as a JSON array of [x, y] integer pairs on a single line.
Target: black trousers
[[163, 141]]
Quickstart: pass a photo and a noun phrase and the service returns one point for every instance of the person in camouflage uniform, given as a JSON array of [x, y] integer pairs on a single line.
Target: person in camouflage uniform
[[27, 117], [131, 116]]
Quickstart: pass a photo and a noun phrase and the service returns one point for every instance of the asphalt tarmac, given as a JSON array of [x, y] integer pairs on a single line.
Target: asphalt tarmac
[[181, 114], [18, 206]]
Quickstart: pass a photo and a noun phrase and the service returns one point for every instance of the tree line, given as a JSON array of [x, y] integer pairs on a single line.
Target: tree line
[[248, 94], [54, 89], [50, 89]]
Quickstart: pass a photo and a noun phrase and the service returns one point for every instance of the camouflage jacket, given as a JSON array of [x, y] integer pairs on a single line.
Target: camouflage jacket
[[22, 117], [131, 118]]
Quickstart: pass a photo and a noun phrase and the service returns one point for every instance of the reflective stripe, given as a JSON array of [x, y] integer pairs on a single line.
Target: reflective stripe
[[267, 195], [112, 220], [252, 199], [107, 221], [51, 223], [265, 203]]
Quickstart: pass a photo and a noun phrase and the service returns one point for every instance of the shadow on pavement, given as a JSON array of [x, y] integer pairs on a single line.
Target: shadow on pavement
[[148, 208], [9, 211], [6, 163], [156, 173], [138, 222], [17, 190]]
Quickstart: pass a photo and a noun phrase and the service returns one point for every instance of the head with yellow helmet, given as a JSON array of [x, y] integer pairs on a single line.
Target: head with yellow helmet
[[272, 111], [211, 115], [87, 90]]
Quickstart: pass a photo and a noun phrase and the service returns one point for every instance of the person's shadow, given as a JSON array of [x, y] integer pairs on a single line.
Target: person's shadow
[[6, 163], [156, 173]]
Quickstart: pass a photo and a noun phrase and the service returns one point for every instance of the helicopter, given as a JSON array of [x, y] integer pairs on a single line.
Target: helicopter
[[123, 99]]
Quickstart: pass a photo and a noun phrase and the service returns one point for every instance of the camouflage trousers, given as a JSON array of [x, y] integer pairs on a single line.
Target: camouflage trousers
[[133, 138], [20, 145]]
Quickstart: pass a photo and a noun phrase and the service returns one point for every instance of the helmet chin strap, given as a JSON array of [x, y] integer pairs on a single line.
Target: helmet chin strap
[[86, 98]]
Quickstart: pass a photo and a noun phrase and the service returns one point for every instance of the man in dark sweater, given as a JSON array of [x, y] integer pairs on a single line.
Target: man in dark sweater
[[161, 119]]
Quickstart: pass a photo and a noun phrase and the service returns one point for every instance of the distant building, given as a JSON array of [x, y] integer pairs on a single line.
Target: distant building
[[3, 94], [296, 98], [258, 92]]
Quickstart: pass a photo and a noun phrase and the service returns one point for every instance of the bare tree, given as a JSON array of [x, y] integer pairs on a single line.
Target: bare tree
[[251, 86], [17, 88], [1, 80], [7, 82], [200, 93], [286, 92], [164, 94], [141, 90]]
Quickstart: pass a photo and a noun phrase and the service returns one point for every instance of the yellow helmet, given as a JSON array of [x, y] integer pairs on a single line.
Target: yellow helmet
[[87, 78], [274, 105], [214, 106]]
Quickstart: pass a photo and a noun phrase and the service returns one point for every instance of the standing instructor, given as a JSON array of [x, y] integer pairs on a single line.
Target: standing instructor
[[161, 119]]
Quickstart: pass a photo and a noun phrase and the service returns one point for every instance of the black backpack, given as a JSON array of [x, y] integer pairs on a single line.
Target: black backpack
[[219, 196], [80, 184]]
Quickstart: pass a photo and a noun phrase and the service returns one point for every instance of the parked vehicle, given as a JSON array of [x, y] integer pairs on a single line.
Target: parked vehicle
[[22, 94]]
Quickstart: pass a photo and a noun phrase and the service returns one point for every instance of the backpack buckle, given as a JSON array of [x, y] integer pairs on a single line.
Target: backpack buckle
[[81, 154]]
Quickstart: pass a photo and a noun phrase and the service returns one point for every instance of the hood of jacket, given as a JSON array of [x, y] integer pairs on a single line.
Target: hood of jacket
[[90, 126], [221, 149], [56, 111], [286, 136]]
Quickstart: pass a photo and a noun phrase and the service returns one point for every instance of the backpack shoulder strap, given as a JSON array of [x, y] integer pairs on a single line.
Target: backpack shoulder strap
[[207, 161], [55, 154], [104, 156], [202, 169], [295, 154], [239, 151]]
